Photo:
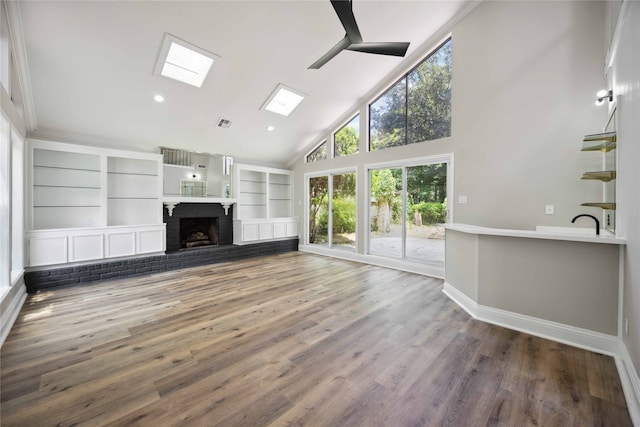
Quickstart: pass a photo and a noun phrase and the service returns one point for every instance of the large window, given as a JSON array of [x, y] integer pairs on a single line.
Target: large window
[[17, 206], [408, 210], [318, 153], [417, 108], [5, 207], [332, 210], [347, 139]]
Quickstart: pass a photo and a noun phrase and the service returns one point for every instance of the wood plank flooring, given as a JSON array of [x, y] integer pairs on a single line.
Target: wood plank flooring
[[288, 340]]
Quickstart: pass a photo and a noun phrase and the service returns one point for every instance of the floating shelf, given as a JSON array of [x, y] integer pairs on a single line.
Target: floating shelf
[[604, 176], [604, 142], [605, 147], [601, 137], [603, 205]]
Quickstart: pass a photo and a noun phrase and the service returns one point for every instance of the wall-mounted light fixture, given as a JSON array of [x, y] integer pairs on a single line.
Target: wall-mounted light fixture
[[602, 95]]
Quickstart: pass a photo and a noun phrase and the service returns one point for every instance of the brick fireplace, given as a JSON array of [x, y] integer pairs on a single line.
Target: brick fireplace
[[198, 219]]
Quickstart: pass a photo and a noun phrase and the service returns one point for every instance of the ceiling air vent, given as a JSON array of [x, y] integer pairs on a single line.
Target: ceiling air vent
[[224, 123]]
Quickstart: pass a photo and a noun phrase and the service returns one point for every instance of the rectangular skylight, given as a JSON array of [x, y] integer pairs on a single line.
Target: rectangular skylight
[[182, 61], [283, 100]]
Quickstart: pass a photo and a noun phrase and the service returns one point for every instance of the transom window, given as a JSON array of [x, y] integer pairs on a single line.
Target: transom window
[[416, 108], [318, 153], [346, 140]]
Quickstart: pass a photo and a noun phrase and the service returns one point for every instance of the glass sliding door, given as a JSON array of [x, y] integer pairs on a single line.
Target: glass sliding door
[[426, 200], [343, 211], [408, 210], [318, 210], [386, 212], [332, 210]]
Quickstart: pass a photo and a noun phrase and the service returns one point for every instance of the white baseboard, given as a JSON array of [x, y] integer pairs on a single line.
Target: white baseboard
[[571, 335], [9, 316], [630, 382]]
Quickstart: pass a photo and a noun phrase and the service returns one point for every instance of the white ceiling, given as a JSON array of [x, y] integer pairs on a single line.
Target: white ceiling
[[91, 67]]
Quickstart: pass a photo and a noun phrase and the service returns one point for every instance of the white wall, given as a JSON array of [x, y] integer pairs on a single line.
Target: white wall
[[624, 78], [525, 76]]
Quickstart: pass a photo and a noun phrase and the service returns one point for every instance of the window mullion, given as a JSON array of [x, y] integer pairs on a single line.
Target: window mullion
[[330, 210], [406, 109], [404, 212]]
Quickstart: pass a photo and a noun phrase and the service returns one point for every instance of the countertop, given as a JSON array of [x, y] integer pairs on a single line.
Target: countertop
[[546, 233]]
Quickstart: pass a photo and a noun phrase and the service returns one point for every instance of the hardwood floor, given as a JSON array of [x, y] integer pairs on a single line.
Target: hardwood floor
[[290, 339]]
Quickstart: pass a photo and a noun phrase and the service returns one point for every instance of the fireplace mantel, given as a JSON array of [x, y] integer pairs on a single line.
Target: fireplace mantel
[[172, 201]]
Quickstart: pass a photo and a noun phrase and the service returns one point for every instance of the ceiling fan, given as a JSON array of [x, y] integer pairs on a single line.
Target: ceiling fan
[[353, 40]]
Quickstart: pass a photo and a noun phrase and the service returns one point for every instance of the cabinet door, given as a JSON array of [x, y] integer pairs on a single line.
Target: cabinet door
[[250, 232], [266, 231], [85, 247], [47, 250], [121, 244], [279, 229], [151, 241], [292, 228]]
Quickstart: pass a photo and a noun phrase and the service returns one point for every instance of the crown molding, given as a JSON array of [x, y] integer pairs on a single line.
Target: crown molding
[[14, 17]]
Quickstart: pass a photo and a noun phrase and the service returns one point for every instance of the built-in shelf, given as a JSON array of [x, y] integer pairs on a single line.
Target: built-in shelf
[[605, 143], [603, 205], [66, 206], [64, 186], [604, 176], [132, 173], [265, 204], [65, 168]]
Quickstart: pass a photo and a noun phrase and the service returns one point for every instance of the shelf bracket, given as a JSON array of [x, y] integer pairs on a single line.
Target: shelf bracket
[[226, 207], [171, 206]]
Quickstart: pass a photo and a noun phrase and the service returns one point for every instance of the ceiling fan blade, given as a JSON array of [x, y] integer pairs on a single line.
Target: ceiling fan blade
[[339, 47], [345, 14], [381, 48]]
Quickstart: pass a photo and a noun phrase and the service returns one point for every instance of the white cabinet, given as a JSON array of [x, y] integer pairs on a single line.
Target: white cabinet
[[79, 197], [49, 247], [254, 230], [265, 204]]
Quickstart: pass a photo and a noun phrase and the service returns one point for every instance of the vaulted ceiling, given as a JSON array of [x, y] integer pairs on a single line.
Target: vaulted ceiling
[[91, 69]]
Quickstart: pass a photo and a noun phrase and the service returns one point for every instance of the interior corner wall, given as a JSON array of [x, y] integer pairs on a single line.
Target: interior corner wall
[[624, 79], [525, 76]]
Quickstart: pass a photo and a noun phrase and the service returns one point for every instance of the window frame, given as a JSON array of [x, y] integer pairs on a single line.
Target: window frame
[[447, 158], [329, 173], [333, 137], [306, 157], [404, 76]]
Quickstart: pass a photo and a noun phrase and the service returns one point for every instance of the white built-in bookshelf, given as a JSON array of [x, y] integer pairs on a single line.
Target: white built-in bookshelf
[[265, 204], [90, 203]]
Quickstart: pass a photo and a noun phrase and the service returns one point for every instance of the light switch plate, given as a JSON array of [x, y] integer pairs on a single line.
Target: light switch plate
[[462, 200], [549, 209]]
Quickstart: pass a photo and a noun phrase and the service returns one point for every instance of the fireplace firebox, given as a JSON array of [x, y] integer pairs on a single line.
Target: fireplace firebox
[[197, 232]]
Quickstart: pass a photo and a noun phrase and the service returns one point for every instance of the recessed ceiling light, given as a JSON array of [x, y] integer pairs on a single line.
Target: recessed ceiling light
[[270, 128], [283, 100], [158, 98], [182, 61]]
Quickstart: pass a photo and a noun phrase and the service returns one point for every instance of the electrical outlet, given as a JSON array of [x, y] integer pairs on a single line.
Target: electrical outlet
[[626, 327], [549, 209]]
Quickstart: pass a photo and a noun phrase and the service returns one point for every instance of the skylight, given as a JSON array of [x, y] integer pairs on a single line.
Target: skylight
[[283, 100], [182, 61]]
